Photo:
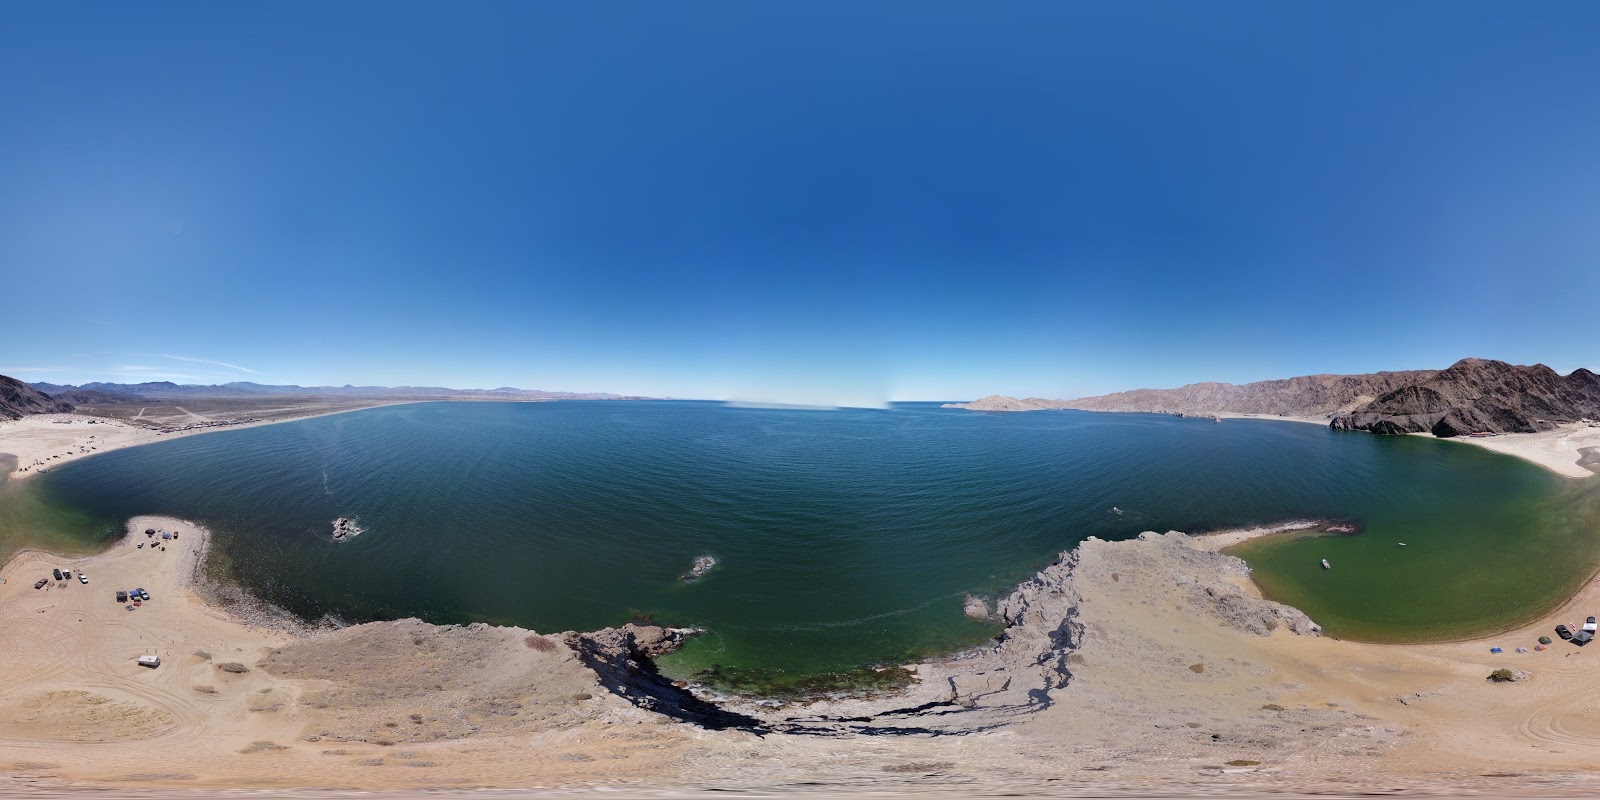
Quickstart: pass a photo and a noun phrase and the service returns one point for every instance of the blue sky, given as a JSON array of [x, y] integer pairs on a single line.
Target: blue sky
[[805, 202]]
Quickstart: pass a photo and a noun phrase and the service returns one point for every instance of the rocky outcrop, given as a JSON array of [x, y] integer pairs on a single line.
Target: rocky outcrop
[[975, 607], [702, 565], [1481, 396], [346, 528], [18, 400]]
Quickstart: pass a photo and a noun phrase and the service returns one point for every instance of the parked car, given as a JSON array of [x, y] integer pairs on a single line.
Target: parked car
[[41, 583], [83, 579], [1590, 626], [141, 594], [1563, 632], [122, 596], [56, 573]]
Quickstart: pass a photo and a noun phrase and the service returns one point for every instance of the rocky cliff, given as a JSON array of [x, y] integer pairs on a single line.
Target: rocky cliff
[[1479, 395], [18, 399]]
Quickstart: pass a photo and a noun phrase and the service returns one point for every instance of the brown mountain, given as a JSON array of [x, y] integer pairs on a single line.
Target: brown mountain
[[1478, 395], [1305, 396], [1474, 395], [18, 400]]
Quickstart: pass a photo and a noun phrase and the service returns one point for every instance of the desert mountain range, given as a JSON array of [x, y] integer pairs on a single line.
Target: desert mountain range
[[1471, 396]]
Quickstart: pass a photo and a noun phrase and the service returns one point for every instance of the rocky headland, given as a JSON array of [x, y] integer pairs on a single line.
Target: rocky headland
[[1481, 396], [18, 399]]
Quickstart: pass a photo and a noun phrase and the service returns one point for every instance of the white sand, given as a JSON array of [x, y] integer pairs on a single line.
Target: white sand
[[44, 441], [1555, 450]]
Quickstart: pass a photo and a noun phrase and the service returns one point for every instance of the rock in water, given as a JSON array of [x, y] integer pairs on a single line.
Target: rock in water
[[702, 565], [345, 528], [976, 608]]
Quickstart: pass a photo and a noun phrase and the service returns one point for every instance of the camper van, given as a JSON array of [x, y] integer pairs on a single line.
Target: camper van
[[150, 661]]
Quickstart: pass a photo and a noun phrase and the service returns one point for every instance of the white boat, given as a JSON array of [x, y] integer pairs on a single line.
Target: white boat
[[1326, 565]]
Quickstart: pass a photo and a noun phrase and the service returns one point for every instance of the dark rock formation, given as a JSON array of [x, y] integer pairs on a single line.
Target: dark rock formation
[[18, 400], [345, 528], [624, 661], [1481, 396]]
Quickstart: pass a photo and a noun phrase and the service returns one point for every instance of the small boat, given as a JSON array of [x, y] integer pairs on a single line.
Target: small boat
[[1402, 544], [1326, 565]]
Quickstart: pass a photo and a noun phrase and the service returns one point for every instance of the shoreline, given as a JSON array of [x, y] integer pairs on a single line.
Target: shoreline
[[65, 438], [300, 715], [1572, 450], [1568, 451]]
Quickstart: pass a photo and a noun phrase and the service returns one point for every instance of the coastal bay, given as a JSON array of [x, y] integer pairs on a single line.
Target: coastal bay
[[1218, 650], [833, 533]]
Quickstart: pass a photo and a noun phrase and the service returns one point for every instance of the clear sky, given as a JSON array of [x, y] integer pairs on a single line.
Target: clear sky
[[795, 201]]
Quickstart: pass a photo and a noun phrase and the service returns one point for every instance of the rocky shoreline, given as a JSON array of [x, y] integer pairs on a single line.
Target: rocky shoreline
[[1033, 657], [980, 689]]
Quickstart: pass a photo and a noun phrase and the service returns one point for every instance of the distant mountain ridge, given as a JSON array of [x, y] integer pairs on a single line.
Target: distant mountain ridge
[[1472, 396], [18, 399], [158, 390], [1304, 396]]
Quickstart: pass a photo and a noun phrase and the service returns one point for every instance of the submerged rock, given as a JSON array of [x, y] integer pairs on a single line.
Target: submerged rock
[[702, 565], [976, 608], [344, 528]]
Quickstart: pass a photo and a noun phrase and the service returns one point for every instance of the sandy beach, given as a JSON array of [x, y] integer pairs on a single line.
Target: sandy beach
[[1173, 686], [41, 442], [1559, 451]]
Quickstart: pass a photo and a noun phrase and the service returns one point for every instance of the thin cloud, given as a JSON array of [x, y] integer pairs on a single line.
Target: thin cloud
[[192, 360], [158, 373]]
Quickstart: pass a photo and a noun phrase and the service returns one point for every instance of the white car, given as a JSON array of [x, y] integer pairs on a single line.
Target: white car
[[82, 578]]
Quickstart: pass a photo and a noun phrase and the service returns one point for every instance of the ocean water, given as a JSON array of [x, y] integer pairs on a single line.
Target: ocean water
[[844, 539]]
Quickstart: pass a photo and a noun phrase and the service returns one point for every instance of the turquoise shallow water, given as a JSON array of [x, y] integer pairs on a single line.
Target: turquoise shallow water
[[845, 538]]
